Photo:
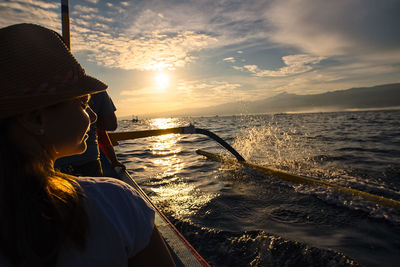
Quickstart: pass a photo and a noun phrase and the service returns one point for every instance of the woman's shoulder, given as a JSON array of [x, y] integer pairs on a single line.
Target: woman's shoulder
[[106, 185], [118, 203], [111, 192], [101, 182]]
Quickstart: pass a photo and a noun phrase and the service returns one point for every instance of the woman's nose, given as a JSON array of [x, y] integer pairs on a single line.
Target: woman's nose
[[92, 115]]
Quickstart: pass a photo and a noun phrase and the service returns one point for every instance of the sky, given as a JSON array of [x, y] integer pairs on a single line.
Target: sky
[[165, 55]]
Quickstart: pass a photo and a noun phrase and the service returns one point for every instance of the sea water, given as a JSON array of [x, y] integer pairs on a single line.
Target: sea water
[[235, 216]]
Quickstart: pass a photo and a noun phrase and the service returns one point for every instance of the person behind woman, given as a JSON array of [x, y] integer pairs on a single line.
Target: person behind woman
[[48, 218]]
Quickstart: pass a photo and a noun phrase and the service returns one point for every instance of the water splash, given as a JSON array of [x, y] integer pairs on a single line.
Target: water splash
[[277, 146], [290, 148]]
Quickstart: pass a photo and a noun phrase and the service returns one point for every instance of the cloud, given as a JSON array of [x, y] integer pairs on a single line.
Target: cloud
[[100, 34], [230, 59], [148, 52], [294, 64], [230, 22], [28, 11], [332, 28], [40, 4], [155, 34], [79, 9]]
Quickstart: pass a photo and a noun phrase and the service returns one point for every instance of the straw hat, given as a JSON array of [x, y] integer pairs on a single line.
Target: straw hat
[[38, 70]]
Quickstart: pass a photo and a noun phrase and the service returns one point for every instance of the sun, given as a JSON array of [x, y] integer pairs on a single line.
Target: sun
[[162, 80]]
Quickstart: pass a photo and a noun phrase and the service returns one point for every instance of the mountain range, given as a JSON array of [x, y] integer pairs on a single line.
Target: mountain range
[[376, 97]]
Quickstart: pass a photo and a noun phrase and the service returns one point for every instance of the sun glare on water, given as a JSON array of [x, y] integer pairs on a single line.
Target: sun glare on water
[[162, 81]]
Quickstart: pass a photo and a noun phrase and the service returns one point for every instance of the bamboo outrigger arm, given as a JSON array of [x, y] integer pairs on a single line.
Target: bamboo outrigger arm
[[387, 202], [120, 136]]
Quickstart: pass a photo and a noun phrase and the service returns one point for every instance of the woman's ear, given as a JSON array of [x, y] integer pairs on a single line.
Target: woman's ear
[[33, 122]]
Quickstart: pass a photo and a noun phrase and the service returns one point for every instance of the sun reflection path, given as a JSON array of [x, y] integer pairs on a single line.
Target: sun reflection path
[[175, 194], [163, 123], [182, 199], [165, 147]]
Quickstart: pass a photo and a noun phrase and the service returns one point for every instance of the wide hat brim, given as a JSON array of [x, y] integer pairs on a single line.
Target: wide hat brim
[[15, 105], [37, 70]]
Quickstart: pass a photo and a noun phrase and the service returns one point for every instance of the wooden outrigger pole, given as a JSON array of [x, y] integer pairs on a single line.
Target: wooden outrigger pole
[[65, 22], [387, 202]]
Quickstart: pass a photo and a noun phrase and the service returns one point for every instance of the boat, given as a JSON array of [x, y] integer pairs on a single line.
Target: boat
[[135, 118]]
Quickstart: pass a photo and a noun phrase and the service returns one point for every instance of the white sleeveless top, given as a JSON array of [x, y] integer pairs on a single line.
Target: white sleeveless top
[[121, 224]]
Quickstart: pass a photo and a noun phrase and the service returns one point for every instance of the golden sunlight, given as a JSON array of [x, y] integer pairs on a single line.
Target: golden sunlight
[[166, 148], [162, 80], [164, 123]]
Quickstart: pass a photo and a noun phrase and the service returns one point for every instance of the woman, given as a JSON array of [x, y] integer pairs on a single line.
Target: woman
[[49, 218]]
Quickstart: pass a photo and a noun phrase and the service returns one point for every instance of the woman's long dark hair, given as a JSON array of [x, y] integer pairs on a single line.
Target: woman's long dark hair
[[40, 209]]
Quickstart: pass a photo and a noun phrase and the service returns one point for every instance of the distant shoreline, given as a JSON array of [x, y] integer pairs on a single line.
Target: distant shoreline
[[380, 97], [271, 114]]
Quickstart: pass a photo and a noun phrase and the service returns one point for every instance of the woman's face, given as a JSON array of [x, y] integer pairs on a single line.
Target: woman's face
[[66, 127]]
